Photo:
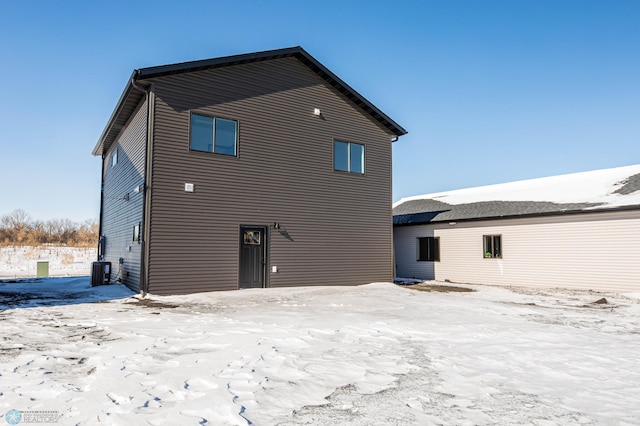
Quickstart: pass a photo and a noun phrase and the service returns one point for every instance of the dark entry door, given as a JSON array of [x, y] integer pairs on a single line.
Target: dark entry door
[[253, 241]]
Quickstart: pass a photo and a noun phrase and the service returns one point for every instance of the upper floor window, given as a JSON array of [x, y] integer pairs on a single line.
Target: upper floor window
[[492, 245], [428, 249], [348, 157], [114, 157], [214, 134], [136, 232]]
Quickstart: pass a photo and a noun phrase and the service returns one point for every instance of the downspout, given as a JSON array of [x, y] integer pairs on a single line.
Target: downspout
[[146, 185], [390, 203], [394, 265], [101, 252], [146, 208]]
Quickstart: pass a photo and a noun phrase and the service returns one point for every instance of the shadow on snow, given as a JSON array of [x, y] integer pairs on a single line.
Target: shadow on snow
[[37, 292]]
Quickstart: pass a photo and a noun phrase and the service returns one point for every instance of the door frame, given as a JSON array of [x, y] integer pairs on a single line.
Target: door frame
[[265, 251]]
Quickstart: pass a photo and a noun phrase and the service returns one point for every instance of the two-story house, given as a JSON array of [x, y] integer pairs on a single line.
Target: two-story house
[[257, 170]]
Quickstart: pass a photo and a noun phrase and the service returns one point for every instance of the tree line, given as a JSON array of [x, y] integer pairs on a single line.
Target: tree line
[[19, 229]]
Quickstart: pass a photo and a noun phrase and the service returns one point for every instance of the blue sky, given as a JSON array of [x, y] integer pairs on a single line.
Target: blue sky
[[490, 91]]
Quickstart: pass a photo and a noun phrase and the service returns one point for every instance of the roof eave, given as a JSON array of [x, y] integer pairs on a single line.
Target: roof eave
[[204, 64], [523, 216], [111, 128]]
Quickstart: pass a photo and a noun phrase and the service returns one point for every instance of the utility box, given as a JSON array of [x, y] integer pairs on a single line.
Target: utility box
[[100, 273], [42, 269]]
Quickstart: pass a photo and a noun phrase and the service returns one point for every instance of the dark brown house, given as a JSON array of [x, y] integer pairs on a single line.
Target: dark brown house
[[256, 170]]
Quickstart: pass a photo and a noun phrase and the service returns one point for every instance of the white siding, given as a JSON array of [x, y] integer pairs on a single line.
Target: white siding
[[406, 253], [597, 251]]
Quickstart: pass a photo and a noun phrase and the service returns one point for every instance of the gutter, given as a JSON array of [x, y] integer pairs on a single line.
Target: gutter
[[134, 76]]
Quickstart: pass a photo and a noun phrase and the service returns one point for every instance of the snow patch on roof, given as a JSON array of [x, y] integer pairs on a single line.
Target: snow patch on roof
[[597, 186]]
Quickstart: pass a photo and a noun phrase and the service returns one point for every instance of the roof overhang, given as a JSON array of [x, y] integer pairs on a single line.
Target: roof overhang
[[131, 96], [127, 103], [430, 218]]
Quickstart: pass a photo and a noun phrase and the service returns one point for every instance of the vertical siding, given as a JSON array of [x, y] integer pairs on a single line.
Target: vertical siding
[[335, 227], [119, 215], [597, 251]]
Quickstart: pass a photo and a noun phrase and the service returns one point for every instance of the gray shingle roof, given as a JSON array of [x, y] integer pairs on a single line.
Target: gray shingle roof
[[617, 188], [630, 185], [422, 211]]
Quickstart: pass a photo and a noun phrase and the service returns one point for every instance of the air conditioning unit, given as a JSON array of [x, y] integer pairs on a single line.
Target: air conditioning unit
[[100, 273]]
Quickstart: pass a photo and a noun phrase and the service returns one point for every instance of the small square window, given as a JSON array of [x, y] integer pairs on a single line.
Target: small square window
[[213, 134], [492, 246], [428, 249], [252, 237], [348, 157]]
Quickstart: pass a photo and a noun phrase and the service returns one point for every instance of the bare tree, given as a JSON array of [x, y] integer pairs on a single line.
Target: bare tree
[[16, 225], [17, 228]]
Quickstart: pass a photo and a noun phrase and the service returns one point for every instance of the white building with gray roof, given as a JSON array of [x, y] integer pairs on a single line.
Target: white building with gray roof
[[579, 230]]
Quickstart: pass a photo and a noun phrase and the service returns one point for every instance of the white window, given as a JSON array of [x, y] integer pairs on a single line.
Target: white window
[[114, 157], [136, 232]]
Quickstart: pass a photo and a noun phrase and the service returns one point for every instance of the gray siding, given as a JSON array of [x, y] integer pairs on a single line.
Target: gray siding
[[596, 251], [118, 214], [336, 227]]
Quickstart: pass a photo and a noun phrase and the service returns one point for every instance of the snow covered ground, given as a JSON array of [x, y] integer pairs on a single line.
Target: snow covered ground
[[18, 261], [377, 354]]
